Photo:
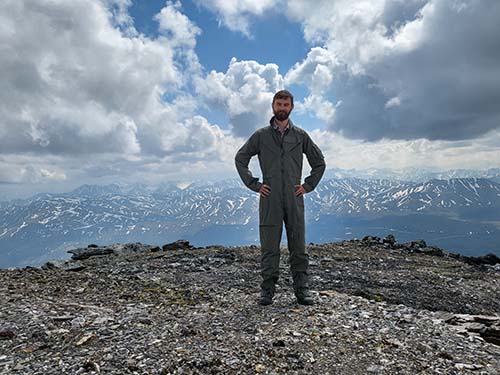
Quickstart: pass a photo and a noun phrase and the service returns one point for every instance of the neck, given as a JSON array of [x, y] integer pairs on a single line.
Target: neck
[[281, 124]]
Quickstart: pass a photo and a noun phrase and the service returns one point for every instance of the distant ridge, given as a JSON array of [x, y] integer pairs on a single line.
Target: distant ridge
[[460, 214]]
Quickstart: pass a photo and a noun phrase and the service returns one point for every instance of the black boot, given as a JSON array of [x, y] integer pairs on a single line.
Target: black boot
[[266, 297], [304, 296], [301, 288]]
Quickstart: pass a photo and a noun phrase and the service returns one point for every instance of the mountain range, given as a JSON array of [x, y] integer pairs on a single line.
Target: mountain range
[[459, 214]]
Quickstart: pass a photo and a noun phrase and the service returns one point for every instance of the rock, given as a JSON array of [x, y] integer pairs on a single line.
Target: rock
[[260, 368], [371, 240], [466, 366], [279, 343], [78, 322], [7, 334], [51, 265], [489, 259], [71, 266], [430, 250], [116, 249], [61, 318], [92, 366], [215, 247], [177, 245], [444, 354], [488, 327], [389, 239], [86, 339], [84, 253], [491, 334], [415, 245]]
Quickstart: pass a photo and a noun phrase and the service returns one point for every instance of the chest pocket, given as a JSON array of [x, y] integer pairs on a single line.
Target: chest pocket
[[292, 143]]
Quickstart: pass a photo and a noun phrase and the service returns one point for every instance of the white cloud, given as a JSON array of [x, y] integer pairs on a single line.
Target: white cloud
[[345, 153], [359, 32], [393, 102], [73, 83], [321, 108], [236, 14], [403, 69], [82, 95], [177, 26], [244, 92], [316, 71], [120, 16]]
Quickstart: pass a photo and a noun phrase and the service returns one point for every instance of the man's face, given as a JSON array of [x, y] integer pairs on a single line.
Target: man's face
[[282, 108]]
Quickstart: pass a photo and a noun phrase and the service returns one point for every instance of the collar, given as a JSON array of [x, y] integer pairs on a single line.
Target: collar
[[275, 126]]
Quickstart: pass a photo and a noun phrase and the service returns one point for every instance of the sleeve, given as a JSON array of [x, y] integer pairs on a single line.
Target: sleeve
[[316, 161], [242, 159]]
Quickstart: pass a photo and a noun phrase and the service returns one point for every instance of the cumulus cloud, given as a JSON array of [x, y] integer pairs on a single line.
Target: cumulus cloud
[[120, 16], [403, 70], [401, 155], [74, 83], [320, 107], [316, 71], [83, 96], [236, 14], [175, 24], [244, 92]]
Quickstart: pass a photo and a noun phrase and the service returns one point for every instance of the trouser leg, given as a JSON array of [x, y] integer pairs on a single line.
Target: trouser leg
[[270, 238], [299, 259]]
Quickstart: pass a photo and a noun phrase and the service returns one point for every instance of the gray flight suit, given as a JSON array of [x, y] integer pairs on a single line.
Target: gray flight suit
[[280, 159]]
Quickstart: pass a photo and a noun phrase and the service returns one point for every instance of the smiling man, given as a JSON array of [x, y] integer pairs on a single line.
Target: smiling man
[[280, 148]]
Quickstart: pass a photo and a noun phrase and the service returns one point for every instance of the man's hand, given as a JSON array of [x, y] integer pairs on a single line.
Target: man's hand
[[264, 190], [299, 190]]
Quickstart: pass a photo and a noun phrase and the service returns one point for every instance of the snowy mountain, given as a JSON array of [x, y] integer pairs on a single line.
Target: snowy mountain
[[413, 174], [460, 214]]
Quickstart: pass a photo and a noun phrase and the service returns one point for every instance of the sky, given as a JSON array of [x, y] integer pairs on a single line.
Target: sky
[[122, 91]]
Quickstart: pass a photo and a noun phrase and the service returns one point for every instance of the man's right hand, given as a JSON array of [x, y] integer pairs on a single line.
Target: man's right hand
[[264, 190]]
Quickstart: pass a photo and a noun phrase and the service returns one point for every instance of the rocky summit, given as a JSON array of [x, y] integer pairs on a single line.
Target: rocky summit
[[380, 308]]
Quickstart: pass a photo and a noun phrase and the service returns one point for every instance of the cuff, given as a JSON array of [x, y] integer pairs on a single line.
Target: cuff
[[257, 186], [308, 188]]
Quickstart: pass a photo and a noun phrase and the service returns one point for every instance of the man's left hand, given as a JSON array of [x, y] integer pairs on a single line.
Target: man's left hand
[[299, 190]]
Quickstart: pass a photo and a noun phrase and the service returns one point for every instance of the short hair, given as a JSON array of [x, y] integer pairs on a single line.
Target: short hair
[[283, 94]]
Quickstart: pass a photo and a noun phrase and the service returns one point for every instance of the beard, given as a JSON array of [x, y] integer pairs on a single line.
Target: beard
[[281, 115]]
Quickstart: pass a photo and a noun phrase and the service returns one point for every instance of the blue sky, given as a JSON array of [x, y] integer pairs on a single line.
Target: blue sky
[[275, 39], [122, 91]]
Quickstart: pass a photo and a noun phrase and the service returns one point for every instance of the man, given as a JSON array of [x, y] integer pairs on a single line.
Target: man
[[280, 148]]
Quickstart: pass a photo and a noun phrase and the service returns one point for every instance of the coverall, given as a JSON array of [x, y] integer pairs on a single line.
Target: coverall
[[280, 160]]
